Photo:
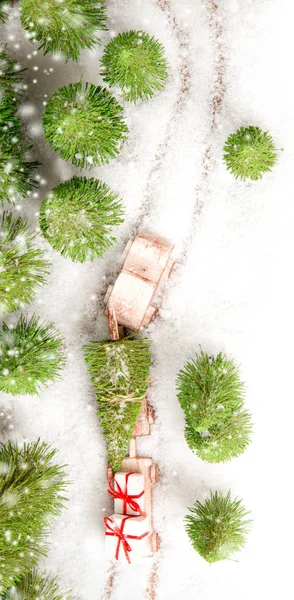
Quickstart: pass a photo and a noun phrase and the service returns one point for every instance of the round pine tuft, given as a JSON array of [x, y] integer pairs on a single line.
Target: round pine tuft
[[77, 217], [211, 395], [84, 124], [22, 266], [218, 527], [36, 586], [136, 63], [31, 356], [249, 153], [63, 27]]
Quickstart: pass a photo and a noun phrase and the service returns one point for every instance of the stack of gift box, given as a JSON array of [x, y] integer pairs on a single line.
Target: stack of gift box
[[127, 530]]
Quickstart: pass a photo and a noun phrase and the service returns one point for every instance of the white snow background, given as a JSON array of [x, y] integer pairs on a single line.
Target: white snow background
[[231, 291]]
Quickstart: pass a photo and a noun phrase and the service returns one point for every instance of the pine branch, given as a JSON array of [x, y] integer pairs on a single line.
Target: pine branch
[[10, 74], [119, 371], [22, 266], [249, 153], [77, 216], [3, 14], [224, 441], [209, 389], [136, 63], [63, 27], [31, 355], [84, 124], [217, 528], [31, 495], [36, 586]]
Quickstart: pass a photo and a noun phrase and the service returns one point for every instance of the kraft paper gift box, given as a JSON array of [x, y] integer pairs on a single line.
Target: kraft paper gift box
[[126, 538], [128, 492]]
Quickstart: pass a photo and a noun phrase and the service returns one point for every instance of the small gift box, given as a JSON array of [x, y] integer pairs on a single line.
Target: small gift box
[[126, 538], [127, 490]]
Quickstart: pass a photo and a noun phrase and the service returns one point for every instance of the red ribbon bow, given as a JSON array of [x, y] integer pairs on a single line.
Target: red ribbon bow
[[114, 530], [124, 496]]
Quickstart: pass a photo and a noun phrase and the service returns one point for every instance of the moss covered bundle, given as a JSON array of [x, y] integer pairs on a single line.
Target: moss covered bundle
[[84, 124], [211, 395], [31, 495], [120, 373], [218, 527], [77, 217], [23, 268]]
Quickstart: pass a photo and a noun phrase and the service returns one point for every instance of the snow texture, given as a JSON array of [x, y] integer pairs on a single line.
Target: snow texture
[[230, 66]]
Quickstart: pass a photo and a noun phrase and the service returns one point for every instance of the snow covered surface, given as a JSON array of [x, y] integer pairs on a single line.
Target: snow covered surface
[[231, 64]]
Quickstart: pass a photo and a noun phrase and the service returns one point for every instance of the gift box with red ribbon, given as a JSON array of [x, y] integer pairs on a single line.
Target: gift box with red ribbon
[[127, 490], [126, 538]]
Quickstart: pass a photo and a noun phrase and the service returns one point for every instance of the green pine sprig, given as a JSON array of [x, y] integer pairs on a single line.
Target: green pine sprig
[[36, 586], [217, 528], [31, 496], [23, 268], [64, 27], [3, 14], [136, 63], [31, 355], [10, 73], [119, 372], [249, 153], [16, 171], [77, 216], [84, 124], [211, 395]]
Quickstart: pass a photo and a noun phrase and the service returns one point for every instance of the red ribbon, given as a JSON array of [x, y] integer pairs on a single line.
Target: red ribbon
[[124, 496], [114, 530]]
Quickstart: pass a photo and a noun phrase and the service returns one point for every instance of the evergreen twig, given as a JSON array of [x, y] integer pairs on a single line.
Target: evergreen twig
[[31, 495], [84, 124], [249, 153], [31, 355], [136, 63], [36, 586], [217, 528], [77, 216], [63, 27], [22, 265]]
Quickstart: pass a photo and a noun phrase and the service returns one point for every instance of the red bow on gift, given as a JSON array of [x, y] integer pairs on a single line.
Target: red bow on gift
[[114, 530], [124, 496]]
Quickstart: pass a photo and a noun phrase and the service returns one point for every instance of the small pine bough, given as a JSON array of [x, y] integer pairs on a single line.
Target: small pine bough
[[217, 528], [3, 14], [77, 216], [249, 153], [16, 171], [211, 395], [136, 63], [10, 72], [31, 495], [63, 27], [23, 268], [36, 586], [119, 371], [84, 124], [31, 356]]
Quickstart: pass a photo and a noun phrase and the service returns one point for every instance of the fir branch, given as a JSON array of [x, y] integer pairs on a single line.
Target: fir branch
[[31, 495], [16, 172], [118, 370], [217, 528], [209, 389], [3, 14], [63, 27], [31, 355], [10, 73], [77, 216], [84, 124], [136, 63], [249, 153], [36, 586], [224, 441], [22, 265]]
